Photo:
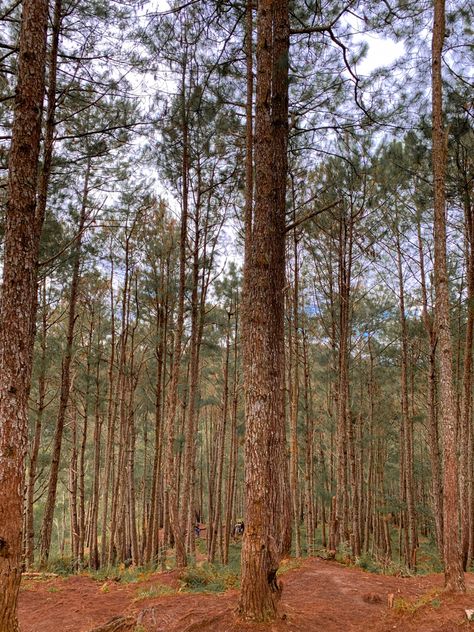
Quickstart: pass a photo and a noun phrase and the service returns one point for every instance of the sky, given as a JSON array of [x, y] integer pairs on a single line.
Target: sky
[[382, 52]]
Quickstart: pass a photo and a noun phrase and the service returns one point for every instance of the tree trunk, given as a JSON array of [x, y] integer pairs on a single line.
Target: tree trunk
[[171, 470], [18, 298], [222, 429], [266, 476], [30, 528], [47, 526], [309, 453], [94, 546], [466, 438], [433, 433], [406, 445], [233, 450], [294, 390], [111, 407], [453, 573], [73, 517]]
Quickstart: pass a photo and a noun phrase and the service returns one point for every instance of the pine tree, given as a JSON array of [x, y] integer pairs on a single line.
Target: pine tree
[[18, 298]]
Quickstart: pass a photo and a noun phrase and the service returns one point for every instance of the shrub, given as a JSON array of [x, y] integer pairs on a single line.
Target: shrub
[[209, 578]]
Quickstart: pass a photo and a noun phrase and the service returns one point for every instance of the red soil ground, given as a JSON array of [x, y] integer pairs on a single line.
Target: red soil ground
[[319, 596]]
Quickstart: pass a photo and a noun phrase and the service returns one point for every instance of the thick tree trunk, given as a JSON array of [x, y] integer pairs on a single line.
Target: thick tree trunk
[[454, 576], [266, 478], [18, 298], [466, 438]]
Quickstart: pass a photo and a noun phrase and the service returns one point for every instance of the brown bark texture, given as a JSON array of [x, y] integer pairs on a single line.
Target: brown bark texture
[[454, 576], [18, 299], [268, 525]]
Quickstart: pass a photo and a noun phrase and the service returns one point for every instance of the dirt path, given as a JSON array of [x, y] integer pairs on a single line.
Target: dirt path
[[319, 596]]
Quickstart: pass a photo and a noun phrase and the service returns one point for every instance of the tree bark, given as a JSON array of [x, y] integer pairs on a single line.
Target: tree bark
[[18, 298], [266, 476], [466, 438], [453, 572]]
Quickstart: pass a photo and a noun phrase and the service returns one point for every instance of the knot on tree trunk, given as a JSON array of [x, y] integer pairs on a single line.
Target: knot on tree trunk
[[4, 548], [274, 584]]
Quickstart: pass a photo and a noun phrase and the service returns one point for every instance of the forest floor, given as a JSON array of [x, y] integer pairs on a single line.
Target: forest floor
[[318, 595]]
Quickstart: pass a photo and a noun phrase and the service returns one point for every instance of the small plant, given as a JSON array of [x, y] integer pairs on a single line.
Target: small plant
[[407, 606], [209, 578], [324, 553], [53, 589], [61, 566], [288, 564], [396, 569], [344, 553], [157, 590], [368, 563]]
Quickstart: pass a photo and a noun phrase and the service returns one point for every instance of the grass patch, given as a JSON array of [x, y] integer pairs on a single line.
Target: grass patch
[[288, 564], [60, 566], [428, 558], [213, 578], [382, 566], [156, 590], [130, 575], [368, 563], [410, 606]]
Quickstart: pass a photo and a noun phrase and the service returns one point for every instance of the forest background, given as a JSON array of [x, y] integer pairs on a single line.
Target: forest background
[[136, 410]]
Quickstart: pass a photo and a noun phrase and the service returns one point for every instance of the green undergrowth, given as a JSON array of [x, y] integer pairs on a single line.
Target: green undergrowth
[[431, 599], [205, 577], [213, 578], [382, 566], [289, 564], [428, 558], [156, 590], [130, 575], [60, 566]]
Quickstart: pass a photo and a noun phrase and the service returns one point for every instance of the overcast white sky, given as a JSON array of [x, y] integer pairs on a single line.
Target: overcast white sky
[[381, 53]]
